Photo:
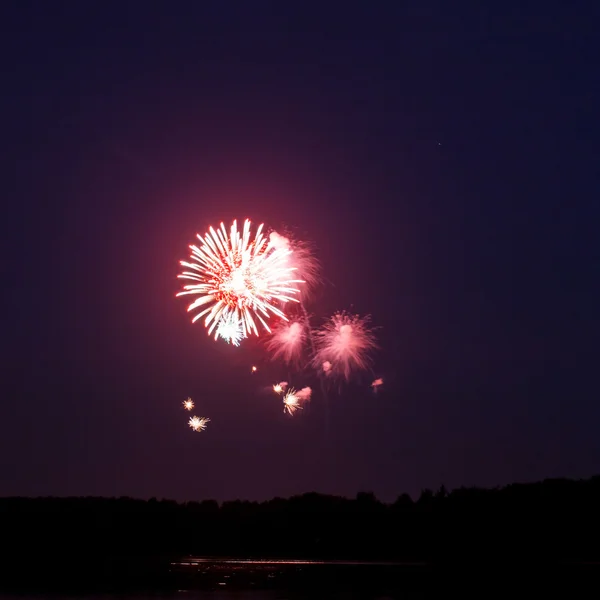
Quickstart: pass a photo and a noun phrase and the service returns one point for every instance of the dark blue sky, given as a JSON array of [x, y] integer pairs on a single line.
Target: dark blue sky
[[443, 158]]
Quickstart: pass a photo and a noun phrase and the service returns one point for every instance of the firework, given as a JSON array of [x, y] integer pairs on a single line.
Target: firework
[[345, 343], [291, 402], [198, 423], [304, 394], [188, 404], [238, 278], [301, 258], [245, 282], [377, 383], [230, 329], [280, 387], [292, 399], [287, 341]]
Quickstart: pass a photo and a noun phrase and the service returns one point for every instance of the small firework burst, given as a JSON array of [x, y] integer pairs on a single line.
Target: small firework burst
[[230, 329], [198, 423], [253, 369], [345, 342], [377, 383], [287, 341], [188, 404], [280, 387], [291, 402]]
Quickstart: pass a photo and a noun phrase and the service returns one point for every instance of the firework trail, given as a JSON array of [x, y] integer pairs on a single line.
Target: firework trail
[[198, 423], [239, 278], [343, 345], [188, 404]]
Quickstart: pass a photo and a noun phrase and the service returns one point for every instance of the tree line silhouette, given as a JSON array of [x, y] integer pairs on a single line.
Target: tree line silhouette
[[550, 521]]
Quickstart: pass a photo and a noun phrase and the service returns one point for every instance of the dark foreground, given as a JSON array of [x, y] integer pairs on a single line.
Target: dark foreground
[[291, 579], [544, 522], [542, 536]]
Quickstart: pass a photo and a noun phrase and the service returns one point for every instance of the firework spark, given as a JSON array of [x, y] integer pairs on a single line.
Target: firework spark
[[188, 404], [280, 387], [253, 369], [345, 342], [287, 341], [198, 423], [240, 278]]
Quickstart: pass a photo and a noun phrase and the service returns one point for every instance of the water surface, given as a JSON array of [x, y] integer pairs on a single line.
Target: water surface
[[201, 578]]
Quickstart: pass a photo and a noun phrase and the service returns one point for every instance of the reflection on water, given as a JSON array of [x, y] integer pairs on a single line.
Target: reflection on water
[[301, 578], [286, 561], [221, 595], [223, 579], [251, 561], [240, 579]]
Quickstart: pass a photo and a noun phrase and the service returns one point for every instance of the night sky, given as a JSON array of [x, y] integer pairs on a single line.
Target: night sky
[[443, 159]]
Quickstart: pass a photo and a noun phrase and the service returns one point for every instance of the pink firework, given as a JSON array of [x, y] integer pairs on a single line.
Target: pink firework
[[301, 259], [377, 383], [344, 344], [287, 341], [304, 394]]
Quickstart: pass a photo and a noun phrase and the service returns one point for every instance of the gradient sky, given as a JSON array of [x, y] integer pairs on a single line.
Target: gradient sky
[[442, 157]]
